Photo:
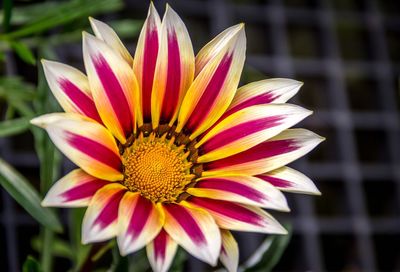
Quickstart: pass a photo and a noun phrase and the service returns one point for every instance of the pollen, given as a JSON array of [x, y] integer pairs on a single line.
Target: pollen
[[156, 168]]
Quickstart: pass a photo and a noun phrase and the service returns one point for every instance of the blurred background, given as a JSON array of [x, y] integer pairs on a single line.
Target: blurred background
[[347, 53]]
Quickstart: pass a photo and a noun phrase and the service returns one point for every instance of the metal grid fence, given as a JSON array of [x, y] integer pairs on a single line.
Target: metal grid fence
[[347, 53]]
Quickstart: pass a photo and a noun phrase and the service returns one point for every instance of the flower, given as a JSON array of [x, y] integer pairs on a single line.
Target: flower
[[170, 151]]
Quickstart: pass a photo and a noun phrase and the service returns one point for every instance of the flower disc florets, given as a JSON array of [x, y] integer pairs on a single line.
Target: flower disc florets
[[156, 167]]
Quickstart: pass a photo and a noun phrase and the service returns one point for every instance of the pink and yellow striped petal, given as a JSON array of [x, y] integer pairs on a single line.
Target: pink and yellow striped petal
[[139, 223], [278, 151], [247, 128], [174, 69], [229, 256], [194, 229], [234, 216], [100, 222], [144, 63], [74, 190], [274, 90], [85, 142], [290, 180], [214, 87], [105, 33], [215, 46], [161, 252], [240, 189], [71, 89], [114, 86]]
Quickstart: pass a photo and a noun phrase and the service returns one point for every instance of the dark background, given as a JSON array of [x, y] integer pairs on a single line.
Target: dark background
[[347, 53]]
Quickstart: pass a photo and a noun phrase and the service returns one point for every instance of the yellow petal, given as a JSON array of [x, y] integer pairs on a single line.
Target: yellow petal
[[114, 86], [174, 69], [194, 229], [139, 223], [71, 89], [144, 63], [229, 252], [107, 34], [100, 222], [247, 128], [213, 89], [85, 142]]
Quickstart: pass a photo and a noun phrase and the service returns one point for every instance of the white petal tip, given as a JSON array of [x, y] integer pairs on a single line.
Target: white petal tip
[[123, 252], [278, 229], [45, 203], [44, 120], [39, 122], [87, 37], [88, 240], [44, 61], [284, 208]]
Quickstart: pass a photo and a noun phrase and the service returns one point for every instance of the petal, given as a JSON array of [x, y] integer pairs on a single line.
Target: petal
[[234, 216], [139, 223], [85, 142], [105, 33], [290, 180], [161, 252], [194, 229], [144, 63], [73, 190], [100, 222], [278, 151], [240, 189], [215, 46], [274, 90], [71, 89], [113, 84], [174, 69], [247, 128], [229, 251], [213, 89]]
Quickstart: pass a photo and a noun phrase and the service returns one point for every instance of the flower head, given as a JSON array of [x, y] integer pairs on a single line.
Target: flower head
[[169, 151]]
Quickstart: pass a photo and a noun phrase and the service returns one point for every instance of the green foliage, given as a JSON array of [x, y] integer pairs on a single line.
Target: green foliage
[[59, 247], [23, 52], [179, 261], [27, 196], [15, 126], [81, 252], [31, 265], [268, 254], [7, 12], [61, 14]]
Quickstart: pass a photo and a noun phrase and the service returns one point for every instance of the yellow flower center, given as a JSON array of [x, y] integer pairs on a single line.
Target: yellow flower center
[[156, 168]]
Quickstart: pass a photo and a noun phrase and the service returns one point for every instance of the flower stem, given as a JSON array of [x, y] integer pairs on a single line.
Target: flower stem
[[47, 258]]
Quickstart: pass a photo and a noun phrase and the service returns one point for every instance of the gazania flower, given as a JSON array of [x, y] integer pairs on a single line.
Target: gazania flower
[[169, 151]]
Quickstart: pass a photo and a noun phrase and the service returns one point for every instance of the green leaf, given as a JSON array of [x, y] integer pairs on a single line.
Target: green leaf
[[31, 265], [179, 261], [60, 248], [121, 264], [14, 126], [81, 252], [269, 253], [10, 113], [26, 13], [70, 11], [103, 250], [14, 88], [7, 11], [24, 193], [23, 52]]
